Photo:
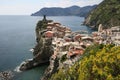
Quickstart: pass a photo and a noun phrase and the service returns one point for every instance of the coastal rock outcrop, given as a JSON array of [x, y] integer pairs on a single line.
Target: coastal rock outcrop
[[43, 49], [6, 75]]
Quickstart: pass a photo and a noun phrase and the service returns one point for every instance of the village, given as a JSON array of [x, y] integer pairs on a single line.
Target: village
[[69, 46]]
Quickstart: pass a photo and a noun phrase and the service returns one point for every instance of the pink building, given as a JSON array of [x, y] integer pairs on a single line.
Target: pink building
[[49, 34]]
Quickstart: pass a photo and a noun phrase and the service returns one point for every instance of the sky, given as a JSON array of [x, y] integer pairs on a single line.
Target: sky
[[27, 7]]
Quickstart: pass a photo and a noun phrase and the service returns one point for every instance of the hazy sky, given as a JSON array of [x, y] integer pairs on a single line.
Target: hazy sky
[[26, 7]]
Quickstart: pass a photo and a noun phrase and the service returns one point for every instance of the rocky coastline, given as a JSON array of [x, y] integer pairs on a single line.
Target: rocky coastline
[[62, 48], [43, 49]]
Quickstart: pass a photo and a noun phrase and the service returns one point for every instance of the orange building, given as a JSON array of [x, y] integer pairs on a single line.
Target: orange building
[[49, 34], [76, 51]]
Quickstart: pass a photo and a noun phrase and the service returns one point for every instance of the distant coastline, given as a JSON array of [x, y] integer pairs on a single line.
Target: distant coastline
[[68, 11]]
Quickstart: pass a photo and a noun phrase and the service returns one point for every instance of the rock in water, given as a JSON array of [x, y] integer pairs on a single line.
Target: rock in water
[[6, 75]]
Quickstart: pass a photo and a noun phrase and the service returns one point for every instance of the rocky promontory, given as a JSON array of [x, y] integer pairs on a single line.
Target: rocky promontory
[[43, 49], [61, 48], [56, 45]]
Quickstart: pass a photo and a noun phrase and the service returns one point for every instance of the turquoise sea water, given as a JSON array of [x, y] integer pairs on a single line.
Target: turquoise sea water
[[17, 37]]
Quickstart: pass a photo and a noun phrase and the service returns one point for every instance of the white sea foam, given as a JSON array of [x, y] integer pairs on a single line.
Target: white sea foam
[[32, 50], [17, 69], [30, 59]]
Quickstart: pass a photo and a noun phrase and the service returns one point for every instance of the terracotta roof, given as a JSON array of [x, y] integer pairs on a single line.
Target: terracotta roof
[[49, 34], [77, 37], [76, 52]]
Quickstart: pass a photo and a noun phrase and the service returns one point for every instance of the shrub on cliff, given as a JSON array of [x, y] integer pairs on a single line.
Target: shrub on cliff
[[98, 63]]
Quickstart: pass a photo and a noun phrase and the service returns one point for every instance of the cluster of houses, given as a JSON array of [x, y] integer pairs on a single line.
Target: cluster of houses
[[66, 42], [107, 36], [74, 43], [69, 46]]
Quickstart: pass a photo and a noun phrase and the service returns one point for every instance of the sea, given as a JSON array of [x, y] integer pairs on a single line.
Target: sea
[[17, 37]]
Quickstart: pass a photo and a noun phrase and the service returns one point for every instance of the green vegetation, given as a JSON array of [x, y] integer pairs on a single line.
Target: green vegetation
[[42, 24], [100, 62], [63, 58], [107, 13]]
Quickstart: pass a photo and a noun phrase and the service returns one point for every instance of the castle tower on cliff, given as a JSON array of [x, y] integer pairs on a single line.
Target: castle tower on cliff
[[44, 18]]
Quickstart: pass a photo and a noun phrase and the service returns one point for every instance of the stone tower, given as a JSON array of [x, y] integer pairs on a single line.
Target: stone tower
[[44, 18], [100, 28]]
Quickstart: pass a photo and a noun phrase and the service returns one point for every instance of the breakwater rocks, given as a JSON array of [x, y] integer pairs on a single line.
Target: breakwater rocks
[[6, 75]]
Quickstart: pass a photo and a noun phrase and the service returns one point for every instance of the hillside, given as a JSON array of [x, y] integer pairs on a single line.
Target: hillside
[[100, 62], [69, 11], [107, 13]]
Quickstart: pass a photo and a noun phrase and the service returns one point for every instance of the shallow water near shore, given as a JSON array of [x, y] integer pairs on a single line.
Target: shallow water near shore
[[17, 37]]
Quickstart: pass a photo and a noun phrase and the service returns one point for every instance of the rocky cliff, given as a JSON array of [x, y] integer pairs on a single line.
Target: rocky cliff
[[68, 47], [107, 13], [43, 49]]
